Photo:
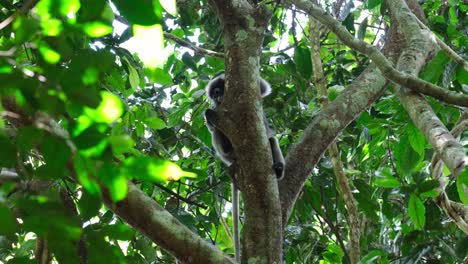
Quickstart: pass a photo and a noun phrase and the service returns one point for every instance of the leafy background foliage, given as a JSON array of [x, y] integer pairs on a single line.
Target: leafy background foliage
[[131, 121]]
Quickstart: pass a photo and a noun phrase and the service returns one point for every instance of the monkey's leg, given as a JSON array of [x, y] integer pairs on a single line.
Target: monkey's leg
[[278, 159]]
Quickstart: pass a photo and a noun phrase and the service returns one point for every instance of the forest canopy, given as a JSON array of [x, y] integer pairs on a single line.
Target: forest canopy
[[105, 154]]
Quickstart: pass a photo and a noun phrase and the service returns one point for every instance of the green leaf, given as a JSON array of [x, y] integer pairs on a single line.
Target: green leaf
[[93, 11], [97, 29], [133, 76], [110, 108], [303, 61], [334, 253], [417, 212], [121, 144], [118, 231], [51, 56], [7, 154], [56, 8], [148, 43], [140, 12], [115, 182], [56, 155], [149, 169], [155, 123], [7, 221], [428, 185], [373, 3], [462, 186], [416, 139], [372, 256], [433, 70], [89, 205], [84, 170], [405, 157], [387, 181], [158, 75], [189, 61]]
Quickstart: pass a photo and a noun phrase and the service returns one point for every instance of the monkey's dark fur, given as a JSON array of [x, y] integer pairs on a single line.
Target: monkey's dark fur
[[221, 144]]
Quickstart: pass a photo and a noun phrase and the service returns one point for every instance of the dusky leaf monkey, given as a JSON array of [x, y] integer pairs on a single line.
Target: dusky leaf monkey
[[221, 144], [225, 150]]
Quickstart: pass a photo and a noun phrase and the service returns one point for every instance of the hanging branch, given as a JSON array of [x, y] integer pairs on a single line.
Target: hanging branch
[[193, 47]]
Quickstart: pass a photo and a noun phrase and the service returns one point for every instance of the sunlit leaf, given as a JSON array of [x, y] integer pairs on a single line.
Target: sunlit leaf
[[108, 111], [114, 181], [51, 27], [97, 29], [169, 6], [462, 186], [372, 256], [49, 55], [147, 42], [90, 76], [149, 169], [56, 8]]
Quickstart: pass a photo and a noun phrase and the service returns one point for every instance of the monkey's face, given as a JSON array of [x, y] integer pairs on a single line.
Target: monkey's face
[[217, 94]]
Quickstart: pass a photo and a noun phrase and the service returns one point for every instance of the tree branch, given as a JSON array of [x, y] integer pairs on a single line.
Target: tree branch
[[444, 47], [323, 129], [411, 61], [457, 212], [379, 59], [192, 46], [142, 212], [353, 255], [241, 118], [148, 217]]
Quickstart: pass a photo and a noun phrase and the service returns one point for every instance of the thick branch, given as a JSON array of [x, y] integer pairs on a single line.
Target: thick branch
[[241, 117], [411, 61], [148, 217], [385, 66], [323, 129], [143, 213]]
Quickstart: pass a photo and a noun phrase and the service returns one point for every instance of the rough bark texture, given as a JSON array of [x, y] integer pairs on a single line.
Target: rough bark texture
[[240, 115], [324, 128], [148, 217], [411, 61]]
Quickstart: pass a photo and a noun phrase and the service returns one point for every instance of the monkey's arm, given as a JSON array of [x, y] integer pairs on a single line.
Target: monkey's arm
[[278, 159]]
